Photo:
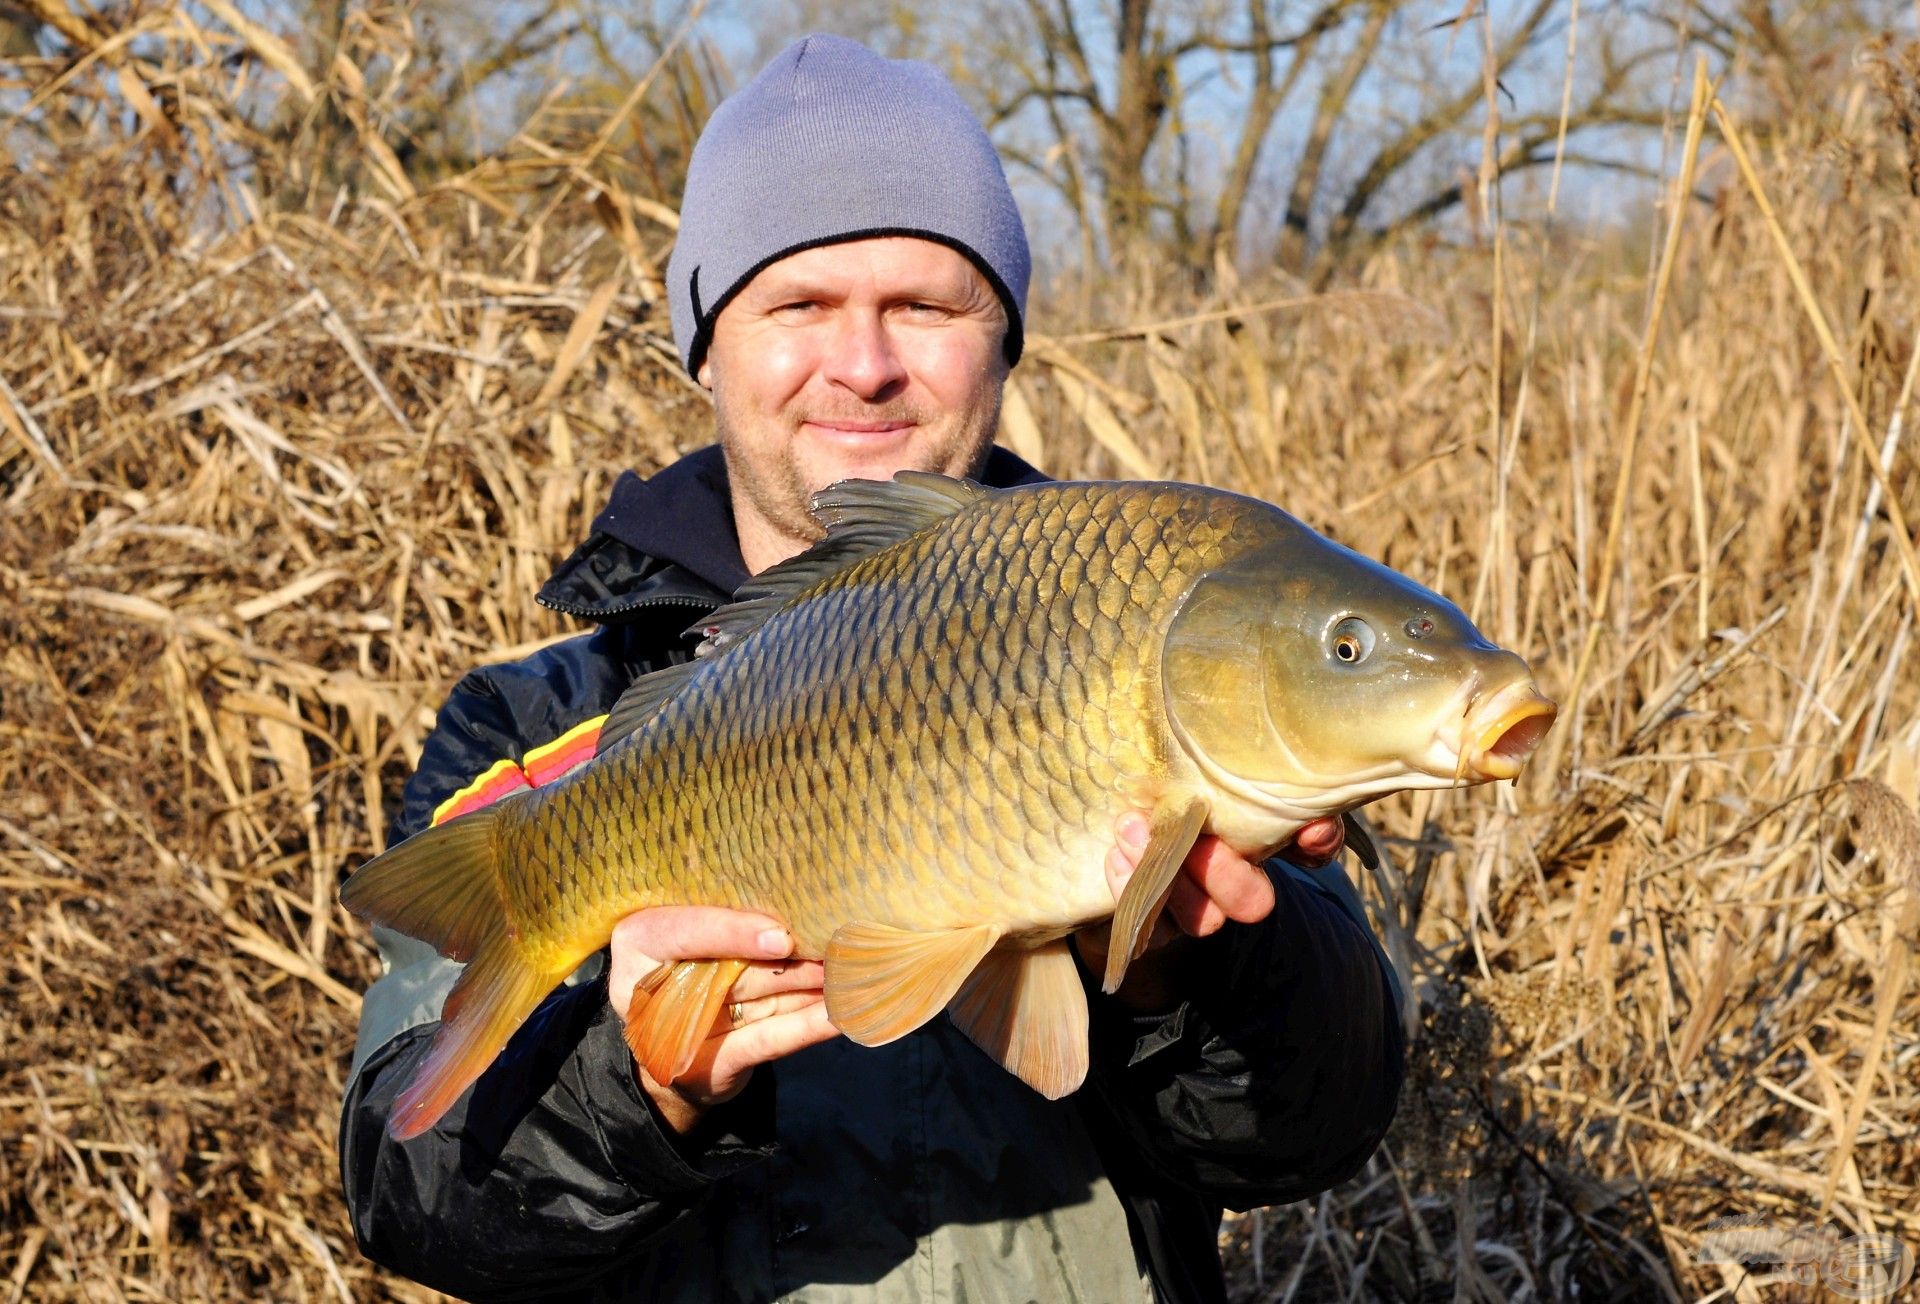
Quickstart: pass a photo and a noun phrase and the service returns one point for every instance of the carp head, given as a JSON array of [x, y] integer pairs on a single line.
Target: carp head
[[1302, 678]]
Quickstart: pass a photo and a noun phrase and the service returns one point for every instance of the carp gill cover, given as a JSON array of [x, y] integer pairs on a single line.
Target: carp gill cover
[[911, 744]]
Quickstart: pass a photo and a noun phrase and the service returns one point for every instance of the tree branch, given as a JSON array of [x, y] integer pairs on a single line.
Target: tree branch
[[1264, 106], [1335, 94], [1443, 119]]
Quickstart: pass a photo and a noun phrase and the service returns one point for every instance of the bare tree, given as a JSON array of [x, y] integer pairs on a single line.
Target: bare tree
[[1336, 93], [1097, 98], [1126, 122]]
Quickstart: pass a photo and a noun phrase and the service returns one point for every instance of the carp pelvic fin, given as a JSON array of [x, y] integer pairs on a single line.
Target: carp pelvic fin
[[673, 1010], [1174, 827], [861, 517], [1028, 1010], [884, 982], [441, 886]]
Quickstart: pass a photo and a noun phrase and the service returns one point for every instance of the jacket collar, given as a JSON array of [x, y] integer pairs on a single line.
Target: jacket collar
[[668, 540]]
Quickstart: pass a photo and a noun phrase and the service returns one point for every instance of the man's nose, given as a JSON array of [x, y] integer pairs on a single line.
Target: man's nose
[[863, 358]]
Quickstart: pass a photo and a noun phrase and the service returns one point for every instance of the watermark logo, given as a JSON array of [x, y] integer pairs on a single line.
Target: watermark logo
[[1871, 1266]]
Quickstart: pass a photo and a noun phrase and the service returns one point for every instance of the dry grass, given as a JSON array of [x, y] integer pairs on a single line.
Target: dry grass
[[275, 475]]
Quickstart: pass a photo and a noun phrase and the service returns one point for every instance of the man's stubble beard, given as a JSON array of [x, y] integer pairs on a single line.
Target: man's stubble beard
[[778, 491]]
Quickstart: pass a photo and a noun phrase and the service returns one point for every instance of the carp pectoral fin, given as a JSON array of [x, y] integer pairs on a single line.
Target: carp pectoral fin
[[884, 982], [1174, 828], [1360, 839], [672, 1011], [1028, 1010]]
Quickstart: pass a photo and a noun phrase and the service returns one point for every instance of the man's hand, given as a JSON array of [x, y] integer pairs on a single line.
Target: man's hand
[[1217, 884], [775, 1009]]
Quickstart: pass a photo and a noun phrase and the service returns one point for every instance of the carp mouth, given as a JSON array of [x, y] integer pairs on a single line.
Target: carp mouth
[[1503, 730]]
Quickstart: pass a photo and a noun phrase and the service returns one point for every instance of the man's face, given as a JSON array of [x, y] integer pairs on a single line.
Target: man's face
[[851, 360]]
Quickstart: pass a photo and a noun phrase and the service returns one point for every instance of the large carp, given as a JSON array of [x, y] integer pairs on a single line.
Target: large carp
[[911, 744]]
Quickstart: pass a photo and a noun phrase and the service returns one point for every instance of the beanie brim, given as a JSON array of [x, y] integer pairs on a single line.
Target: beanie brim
[[704, 317]]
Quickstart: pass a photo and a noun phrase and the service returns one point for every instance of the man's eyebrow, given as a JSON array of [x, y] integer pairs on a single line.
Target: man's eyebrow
[[799, 290], [926, 292], [958, 293]]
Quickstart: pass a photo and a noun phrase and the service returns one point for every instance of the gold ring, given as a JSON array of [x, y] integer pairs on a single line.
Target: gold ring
[[733, 1013]]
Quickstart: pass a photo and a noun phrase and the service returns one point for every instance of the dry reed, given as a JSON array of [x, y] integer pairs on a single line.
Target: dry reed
[[275, 474]]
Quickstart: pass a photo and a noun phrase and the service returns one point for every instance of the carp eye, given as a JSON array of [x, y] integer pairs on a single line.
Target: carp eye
[[1419, 627], [1351, 641]]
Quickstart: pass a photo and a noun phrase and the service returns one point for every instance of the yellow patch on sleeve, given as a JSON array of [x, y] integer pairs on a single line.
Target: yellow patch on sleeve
[[500, 778], [543, 764], [549, 761]]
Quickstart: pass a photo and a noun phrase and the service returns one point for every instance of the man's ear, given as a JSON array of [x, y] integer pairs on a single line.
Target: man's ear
[[705, 374]]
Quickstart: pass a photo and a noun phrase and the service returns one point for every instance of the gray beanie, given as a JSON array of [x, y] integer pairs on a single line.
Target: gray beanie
[[831, 142]]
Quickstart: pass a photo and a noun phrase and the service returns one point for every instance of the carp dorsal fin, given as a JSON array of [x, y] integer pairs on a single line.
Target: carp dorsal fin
[[887, 511], [642, 701], [862, 517]]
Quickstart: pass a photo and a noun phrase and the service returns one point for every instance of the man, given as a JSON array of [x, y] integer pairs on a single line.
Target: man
[[849, 282]]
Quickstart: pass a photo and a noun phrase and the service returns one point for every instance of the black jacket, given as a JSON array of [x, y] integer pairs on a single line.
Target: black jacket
[[841, 1166]]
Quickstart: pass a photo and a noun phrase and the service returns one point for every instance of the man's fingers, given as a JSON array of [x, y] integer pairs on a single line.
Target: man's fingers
[[767, 978], [647, 939], [724, 1059], [1321, 837], [1238, 886], [1193, 911], [736, 1015], [1119, 869], [702, 933], [1218, 884], [1318, 842]]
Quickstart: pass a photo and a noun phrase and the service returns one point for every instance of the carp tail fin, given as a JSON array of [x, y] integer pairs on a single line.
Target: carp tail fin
[[443, 886], [493, 997]]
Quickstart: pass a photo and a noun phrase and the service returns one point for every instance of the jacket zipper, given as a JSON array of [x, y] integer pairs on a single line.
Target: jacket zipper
[[601, 615]]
